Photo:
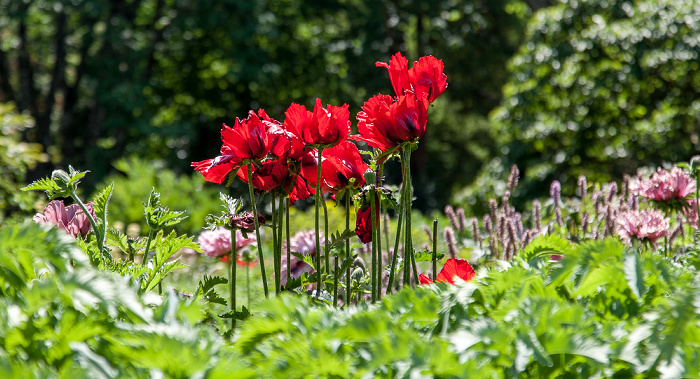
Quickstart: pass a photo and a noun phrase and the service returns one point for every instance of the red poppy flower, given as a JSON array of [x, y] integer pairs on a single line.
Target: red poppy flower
[[363, 227], [425, 78], [268, 176], [385, 122], [454, 267], [341, 164], [248, 140], [398, 73], [324, 126]]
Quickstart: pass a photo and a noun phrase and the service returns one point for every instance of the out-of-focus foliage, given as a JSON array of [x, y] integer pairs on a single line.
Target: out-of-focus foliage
[[139, 177], [604, 310], [110, 79], [15, 158], [601, 87], [62, 318]]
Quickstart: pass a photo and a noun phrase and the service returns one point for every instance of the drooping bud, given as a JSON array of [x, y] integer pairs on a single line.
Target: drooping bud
[[370, 176], [695, 166], [357, 274], [359, 262], [61, 177]]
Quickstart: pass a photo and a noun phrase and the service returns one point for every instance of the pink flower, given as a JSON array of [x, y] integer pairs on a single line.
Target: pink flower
[[304, 243], [217, 242], [70, 218], [665, 186], [644, 225]]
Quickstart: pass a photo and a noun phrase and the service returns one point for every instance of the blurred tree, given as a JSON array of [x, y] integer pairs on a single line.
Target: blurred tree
[[601, 87], [156, 78], [15, 158]]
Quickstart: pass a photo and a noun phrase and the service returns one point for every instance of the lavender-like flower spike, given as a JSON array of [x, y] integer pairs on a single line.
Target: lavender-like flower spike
[[582, 184], [450, 212], [612, 191], [487, 224], [557, 213], [504, 203], [462, 218], [493, 207], [536, 214], [450, 241], [555, 192], [513, 177], [429, 233], [475, 232]]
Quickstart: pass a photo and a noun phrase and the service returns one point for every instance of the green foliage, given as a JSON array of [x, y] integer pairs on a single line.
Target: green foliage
[[16, 158], [60, 317], [141, 177], [599, 87]]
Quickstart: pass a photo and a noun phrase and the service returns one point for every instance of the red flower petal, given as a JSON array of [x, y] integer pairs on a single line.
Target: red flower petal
[[455, 267], [424, 279]]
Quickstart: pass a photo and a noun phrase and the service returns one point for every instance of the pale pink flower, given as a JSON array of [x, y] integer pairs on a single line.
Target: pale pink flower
[[644, 225], [304, 243], [217, 242], [70, 218], [665, 185]]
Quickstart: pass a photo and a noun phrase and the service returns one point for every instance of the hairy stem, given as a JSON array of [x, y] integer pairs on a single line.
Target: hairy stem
[[232, 278], [319, 195], [261, 258]]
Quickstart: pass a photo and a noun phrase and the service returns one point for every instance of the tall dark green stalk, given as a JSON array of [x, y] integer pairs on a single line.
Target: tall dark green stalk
[[257, 229], [394, 258], [275, 223], [319, 197], [232, 278], [435, 230], [289, 244], [373, 215], [280, 220], [348, 280]]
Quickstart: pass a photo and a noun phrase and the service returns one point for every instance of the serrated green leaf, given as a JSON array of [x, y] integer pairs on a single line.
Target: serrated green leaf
[[427, 256], [634, 274], [52, 189]]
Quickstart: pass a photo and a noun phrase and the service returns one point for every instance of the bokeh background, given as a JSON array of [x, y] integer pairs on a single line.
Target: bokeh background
[[135, 90]]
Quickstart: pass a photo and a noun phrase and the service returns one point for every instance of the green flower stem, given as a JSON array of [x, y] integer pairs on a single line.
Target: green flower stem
[[348, 288], [373, 213], [435, 229], [280, 220], [335, 280], [261, 258], [395, 256], [326, 253], [697, 202], [289, 245], [148, 247], [409, 255], [96, 232], [232, 278], [378, 229], [407, 212], [275, 223], [247, 283], [319, 195]]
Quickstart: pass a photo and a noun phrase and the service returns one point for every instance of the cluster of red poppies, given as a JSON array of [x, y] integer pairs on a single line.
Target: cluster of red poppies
[[284, 156]]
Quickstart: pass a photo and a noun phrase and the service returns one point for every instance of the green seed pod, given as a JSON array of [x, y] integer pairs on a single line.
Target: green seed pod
[[370, 177]]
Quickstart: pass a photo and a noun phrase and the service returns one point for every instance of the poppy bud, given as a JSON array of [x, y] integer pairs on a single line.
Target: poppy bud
[[359, 262], [370, 176], [695, 166], [61, 177], [358, 274]]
